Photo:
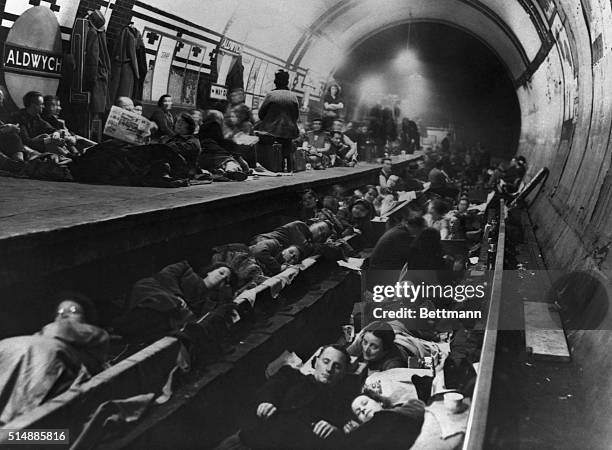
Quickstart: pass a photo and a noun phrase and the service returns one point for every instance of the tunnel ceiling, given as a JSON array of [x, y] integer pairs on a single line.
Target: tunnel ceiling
[[318, 33]]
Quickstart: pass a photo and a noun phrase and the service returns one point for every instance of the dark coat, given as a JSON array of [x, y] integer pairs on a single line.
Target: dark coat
[[300, 401], [164, 302], [31, 128], [141, 57], [392, 249], [164, 121], [145, 165], [125, 70], [279, 114], [97, 71], [293, 233], [267, 253]]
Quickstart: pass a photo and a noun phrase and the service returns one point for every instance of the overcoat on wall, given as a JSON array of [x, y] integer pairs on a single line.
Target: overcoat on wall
[[141, 58], [97, 65], [125, 71]]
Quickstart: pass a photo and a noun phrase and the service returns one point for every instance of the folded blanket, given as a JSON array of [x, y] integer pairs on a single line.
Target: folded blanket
[[450, 423]]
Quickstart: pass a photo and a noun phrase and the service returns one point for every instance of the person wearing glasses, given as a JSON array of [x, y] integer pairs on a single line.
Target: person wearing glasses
[[66, 352]]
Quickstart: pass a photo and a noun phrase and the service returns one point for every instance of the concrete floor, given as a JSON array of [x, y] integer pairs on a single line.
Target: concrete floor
[[33, 206]]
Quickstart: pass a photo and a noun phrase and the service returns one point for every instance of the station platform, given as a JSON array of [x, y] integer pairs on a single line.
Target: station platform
[[98, 238]]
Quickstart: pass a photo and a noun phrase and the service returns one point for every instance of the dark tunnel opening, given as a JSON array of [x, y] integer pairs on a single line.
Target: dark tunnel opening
[[443, 77]]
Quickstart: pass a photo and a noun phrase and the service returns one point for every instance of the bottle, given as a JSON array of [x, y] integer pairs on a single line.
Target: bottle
[[491, 254]]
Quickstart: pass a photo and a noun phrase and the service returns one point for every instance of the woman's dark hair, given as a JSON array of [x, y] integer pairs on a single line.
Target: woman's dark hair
[[370, 188], [384, 401], [309, 192], [301, 251], [334, 85], [30, 97], [233, 278], [47, 99], [161, 99], [242, 112], [426, 251], [366, 204], [89, 308], [190, 121], [439, 206], [330, 202], [384, 332]]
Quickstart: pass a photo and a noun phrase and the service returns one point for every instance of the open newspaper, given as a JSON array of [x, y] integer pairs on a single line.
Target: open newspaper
[[127, 126]]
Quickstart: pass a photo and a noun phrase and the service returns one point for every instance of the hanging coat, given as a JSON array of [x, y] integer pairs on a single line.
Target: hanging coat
[[141, 58], [97, 71], [124, 64]]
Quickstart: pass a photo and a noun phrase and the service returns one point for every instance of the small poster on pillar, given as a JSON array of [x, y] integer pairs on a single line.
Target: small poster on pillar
[[127, 126]]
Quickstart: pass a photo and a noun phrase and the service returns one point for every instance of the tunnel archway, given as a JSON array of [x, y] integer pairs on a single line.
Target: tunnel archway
[[447, 77]]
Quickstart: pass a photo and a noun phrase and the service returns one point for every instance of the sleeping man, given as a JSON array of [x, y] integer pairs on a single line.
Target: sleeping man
[[300, 411]]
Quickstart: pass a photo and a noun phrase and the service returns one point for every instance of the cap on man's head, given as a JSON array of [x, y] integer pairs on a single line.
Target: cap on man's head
[[281, 78]]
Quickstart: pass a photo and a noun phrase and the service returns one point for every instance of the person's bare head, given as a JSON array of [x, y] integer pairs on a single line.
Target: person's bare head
[[331, 365], [125, 103]]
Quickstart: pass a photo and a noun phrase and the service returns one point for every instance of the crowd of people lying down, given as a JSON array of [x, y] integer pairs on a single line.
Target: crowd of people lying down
[[378, 388], [200, 307]]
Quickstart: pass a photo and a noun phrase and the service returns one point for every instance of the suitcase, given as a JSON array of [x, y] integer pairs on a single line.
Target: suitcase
[[270, 156], [299, 160]]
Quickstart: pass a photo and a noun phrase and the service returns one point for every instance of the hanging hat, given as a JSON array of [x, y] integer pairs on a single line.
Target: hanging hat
[[96, 18]]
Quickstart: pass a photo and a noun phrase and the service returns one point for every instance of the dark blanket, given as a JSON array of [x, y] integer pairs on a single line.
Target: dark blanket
[[110, 162], [164, 302], [34, 369], [238, 257]]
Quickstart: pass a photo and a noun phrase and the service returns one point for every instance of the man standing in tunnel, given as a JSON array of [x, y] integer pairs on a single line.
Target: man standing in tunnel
[[279, 114]]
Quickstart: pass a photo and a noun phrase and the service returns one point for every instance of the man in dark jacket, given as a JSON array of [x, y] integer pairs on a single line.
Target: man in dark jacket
[[34, 131], [302, 411], [279, 114], [392, 249]]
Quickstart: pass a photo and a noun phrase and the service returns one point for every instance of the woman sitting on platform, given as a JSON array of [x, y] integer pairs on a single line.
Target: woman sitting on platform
[[162, 117], [184, 142], [66, 352], [220, 155]]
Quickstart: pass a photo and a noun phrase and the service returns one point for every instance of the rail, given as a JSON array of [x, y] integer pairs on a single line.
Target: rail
[[477, 420]]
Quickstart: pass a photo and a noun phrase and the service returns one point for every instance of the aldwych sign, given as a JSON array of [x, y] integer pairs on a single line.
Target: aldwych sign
[[29, 60]]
